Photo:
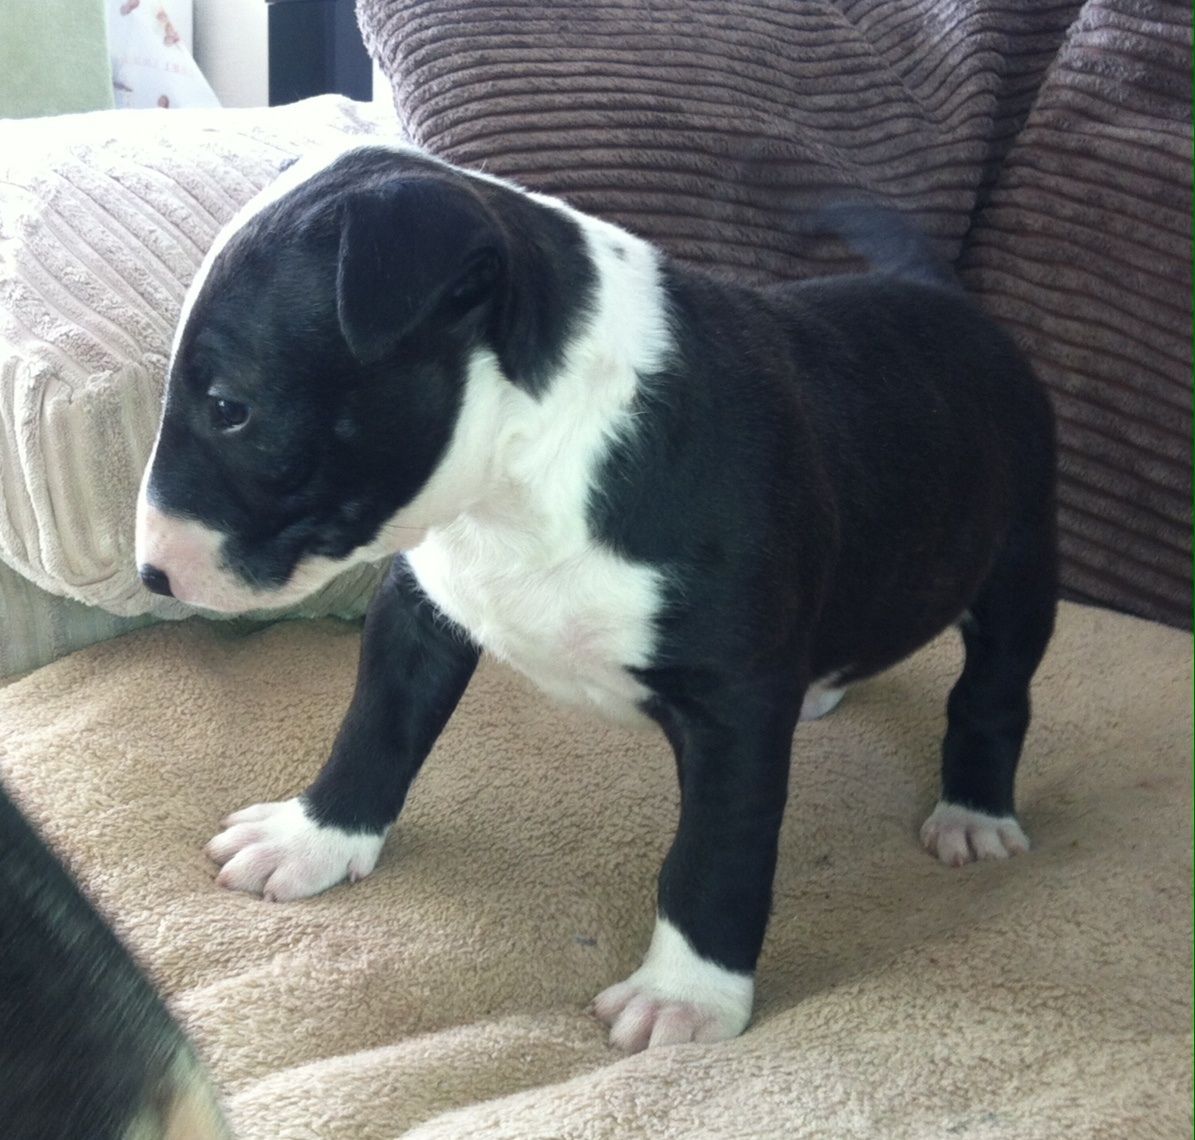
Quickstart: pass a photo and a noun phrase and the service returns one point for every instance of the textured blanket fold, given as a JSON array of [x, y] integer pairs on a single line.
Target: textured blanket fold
[[444, 995]]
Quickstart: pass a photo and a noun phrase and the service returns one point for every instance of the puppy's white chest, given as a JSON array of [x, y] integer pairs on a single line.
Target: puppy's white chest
[[573, 623]]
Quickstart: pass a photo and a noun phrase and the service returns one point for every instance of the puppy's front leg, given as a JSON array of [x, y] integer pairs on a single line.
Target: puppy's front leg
[[697, 980], [414, 666]]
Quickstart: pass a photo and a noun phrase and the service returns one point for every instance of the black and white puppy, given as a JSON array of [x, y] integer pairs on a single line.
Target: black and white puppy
[[661, 495]]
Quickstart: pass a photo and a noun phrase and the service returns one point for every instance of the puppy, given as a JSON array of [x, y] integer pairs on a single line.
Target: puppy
[[86, 1047], [664, 496]]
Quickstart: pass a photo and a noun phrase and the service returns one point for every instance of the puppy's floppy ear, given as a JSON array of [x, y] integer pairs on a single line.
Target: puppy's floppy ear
[[410, 250]]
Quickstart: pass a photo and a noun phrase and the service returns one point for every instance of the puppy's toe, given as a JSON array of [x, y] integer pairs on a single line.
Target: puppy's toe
[[646, 1019], [958, 835], [675, 997], [253, 814], [232, 841], [612, 1001], [631, 1029], [278, 851], [676, 1024], [248, 870]]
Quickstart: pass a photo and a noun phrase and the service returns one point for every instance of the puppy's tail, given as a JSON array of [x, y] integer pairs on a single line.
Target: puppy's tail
[[887, 241]]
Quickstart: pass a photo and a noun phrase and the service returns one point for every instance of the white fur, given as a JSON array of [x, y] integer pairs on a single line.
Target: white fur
[[190, 550], [957, 835], [821, 698], [518, 567], [675, 996], [276, 850]]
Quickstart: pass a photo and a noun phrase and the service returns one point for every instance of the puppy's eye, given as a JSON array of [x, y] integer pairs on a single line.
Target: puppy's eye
[[227, 415]]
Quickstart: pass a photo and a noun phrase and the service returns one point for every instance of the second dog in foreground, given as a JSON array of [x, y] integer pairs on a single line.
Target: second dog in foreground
[[665, 496], [87, 1049]]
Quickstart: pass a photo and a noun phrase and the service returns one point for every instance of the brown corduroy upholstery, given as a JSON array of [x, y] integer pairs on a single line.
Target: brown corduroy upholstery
[[1045, 146]]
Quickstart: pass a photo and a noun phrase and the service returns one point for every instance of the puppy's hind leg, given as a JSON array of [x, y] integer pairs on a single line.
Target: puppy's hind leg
[[1005, 635]]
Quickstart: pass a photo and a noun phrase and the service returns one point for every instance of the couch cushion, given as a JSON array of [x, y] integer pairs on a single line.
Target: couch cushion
[[710, 127], [1048, 996], [1085, 253], [104, 219], [39, 627]]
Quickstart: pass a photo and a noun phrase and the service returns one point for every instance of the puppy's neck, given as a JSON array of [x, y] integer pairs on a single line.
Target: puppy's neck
[[525, 463]]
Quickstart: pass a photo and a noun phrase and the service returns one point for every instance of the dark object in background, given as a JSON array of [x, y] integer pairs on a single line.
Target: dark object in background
[[87, 1049], [315, 48]]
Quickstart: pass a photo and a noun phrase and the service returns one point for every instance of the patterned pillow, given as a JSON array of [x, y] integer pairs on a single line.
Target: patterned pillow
[[104, 219]]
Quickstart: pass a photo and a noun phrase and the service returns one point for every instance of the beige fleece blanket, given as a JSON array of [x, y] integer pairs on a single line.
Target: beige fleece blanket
[[444, 995]]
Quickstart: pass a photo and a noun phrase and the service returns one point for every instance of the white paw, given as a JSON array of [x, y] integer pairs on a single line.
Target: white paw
[[674, 997], [956, 835], [279, 852], [820, 699]]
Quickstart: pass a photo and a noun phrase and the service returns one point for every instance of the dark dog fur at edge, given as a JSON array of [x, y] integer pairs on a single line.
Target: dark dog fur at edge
[[87, 1049]]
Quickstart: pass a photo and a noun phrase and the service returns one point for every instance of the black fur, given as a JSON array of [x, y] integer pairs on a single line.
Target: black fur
[[833, 473], [828, 474], [86, 1047], [309, 313], [414, 667]]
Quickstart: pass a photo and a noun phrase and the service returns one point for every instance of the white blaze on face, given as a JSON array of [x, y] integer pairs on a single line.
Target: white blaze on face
[[191, 554], [188, 553]]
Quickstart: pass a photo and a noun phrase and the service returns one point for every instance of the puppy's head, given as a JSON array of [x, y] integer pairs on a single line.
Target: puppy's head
[[324, 362]]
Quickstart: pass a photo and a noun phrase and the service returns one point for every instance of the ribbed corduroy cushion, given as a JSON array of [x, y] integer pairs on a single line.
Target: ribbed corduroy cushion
[[711, 126], [1085, 253], [707, 126]]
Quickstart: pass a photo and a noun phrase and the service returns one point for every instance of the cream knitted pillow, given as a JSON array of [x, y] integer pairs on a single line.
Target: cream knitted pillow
[[104, 219]]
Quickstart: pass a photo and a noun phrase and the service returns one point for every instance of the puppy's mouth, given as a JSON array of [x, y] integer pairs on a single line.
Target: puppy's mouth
[[182, 559], [185, 560]]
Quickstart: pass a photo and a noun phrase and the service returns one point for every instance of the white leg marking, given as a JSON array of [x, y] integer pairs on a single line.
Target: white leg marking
[[957, 835], [278, 851], [819, 700], [674, 997]]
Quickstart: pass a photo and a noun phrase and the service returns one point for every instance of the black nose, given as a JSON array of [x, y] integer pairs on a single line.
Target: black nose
[[155, 580]]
